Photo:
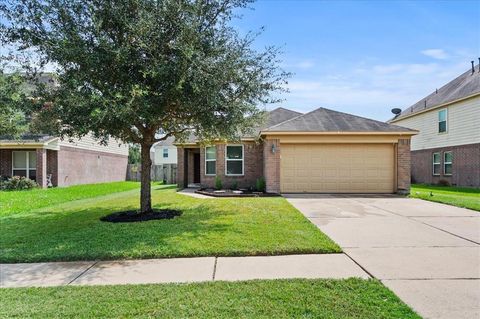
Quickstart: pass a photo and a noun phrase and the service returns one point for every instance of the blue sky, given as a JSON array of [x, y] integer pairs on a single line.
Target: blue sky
[[366, 57]]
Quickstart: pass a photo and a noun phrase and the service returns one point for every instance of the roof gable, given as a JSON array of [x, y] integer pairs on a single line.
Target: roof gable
[[326, 120], [280, 115]]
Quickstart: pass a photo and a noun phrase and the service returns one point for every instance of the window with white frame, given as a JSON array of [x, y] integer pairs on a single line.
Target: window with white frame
[[436, 164], [210, 160], [442, 121], [24, 163], [234, 160], [447, 163], [165, 153]]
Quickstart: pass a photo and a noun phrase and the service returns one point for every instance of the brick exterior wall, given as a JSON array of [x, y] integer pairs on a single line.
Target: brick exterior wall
[[80, 166], [52, 166], [180, 167], [42, 167], [253, 167], [403, 166], [5, 162], [261, 161], [271, 165], [465, 165]]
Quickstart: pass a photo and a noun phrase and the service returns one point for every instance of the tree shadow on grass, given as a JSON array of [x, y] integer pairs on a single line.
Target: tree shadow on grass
[[80, 235]]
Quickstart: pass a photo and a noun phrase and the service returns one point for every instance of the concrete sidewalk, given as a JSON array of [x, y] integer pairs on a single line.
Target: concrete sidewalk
[[427, 253], [178, 270]]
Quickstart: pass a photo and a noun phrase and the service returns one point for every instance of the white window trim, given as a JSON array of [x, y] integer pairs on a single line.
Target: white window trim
[[237, 160], [211, 160], [163, 153], [439, 163], [28, 168], [445, 162], [446, 121]]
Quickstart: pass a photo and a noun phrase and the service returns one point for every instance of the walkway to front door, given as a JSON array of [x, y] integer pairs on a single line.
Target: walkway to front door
[[427, 253]]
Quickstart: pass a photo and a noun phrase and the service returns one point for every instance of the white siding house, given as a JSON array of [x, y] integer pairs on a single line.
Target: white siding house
[[164, 154], [447, 148]]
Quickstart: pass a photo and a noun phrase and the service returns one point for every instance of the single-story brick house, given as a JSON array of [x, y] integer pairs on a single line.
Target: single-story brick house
[[79, 161], [323, 151]]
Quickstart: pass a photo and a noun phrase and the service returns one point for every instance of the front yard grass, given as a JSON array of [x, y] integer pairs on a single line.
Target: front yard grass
[[208, 227], [298, 298], [27, 200], [456, 196]]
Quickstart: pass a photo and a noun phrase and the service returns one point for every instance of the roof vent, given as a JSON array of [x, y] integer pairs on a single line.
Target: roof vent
[[396, 111], [473, 67], [478, 65]]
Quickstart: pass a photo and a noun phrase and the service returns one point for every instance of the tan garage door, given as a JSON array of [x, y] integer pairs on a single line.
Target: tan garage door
[[337, 168]]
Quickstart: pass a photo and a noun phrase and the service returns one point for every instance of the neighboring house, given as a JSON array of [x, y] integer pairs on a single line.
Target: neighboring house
[[322, 151], [164, 152], [80, 161], [448, 145]]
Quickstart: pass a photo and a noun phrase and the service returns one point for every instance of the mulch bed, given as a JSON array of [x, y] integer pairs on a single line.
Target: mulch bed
[[228, 193], [132, 216]]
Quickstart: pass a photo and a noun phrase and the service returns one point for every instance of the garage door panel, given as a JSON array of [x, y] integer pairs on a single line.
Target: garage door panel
[[337, 168]]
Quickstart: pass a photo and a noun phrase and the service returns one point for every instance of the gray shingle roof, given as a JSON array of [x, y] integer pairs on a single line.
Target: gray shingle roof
[[280, 115], [167, 142], [465, 85], [325, 120], [27, 138]]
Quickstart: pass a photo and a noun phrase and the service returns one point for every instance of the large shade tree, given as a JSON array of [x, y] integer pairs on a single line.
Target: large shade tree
[[141, 71]]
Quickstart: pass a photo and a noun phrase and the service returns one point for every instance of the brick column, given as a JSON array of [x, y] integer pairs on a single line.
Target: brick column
[[42, 167], [271, 165], [180, 167], [403, 166]]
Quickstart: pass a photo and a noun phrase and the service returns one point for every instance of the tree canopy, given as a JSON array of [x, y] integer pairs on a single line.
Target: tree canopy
[[130, 69], [13, 121]]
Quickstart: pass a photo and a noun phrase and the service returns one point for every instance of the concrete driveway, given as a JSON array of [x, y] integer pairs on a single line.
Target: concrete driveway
[[427, 253]]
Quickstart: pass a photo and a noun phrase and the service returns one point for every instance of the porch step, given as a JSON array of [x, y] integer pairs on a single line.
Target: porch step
[[193, 186]]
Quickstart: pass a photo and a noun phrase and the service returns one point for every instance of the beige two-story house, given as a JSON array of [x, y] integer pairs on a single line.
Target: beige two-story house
[[447, 148]]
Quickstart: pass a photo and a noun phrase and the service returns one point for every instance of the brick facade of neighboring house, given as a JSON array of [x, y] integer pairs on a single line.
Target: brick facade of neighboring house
[[465, 165], [68, 165]]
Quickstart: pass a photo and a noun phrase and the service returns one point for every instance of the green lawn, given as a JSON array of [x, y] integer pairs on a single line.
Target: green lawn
[[25, 201], [208, 227], [334, 299], [457, 196]]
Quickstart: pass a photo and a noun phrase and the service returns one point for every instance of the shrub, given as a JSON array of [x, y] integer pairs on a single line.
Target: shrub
[[234, 185], [17, 183], [218, 183], [260, 184], [443, 182]]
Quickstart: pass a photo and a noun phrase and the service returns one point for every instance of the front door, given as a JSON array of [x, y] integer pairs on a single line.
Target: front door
[[196, 168]]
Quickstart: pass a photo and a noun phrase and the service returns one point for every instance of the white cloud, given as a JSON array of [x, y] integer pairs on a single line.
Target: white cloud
[[373, 90], [302, 64], [438, 54]]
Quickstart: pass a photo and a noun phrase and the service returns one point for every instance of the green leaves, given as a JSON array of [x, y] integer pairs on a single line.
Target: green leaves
[[149, 65], [13, 121]]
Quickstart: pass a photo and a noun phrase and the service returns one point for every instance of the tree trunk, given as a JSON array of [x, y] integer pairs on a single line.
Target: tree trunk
[[145, 190]]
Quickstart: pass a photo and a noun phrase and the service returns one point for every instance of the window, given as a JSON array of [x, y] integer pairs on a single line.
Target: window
[[436, 164], [165, 153], [442, 121], [210, 160], [447, 163], [234, 160], [24, 163]]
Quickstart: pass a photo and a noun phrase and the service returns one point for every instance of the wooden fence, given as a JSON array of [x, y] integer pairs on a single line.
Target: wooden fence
[[166, 173]]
